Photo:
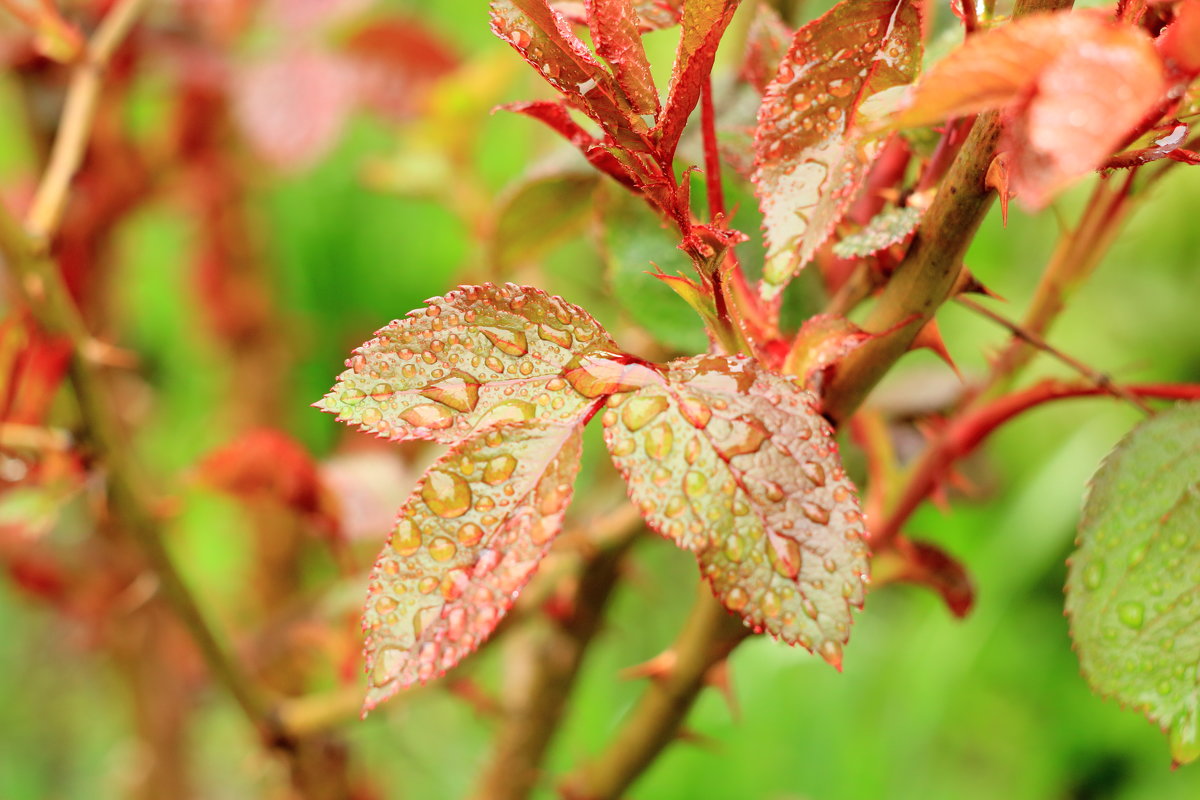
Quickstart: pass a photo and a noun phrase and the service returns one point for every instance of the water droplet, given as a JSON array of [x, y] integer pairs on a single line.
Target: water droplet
[[371, 416], [387, 665], [1131, 614], [499, 469], [442, 549], [427, 584], [831, 651], [406, 538], [508, 411], [638, 412], [809, 608], [691, 451], [470, 534], [695, 484], [507, 341], [735, 547], [784, 555], [771, 605], [695, 412], [446, 493], [555, 336], [746, 437], [459, 391], [1093, 574], [815, 513], [814, 472], [736, 599], [676, 505], [1137, 555], [622, 447], [659, 440], [353, 397], [1179, 539], [428, 415]]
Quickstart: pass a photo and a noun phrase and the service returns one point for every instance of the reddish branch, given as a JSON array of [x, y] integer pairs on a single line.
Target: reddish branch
[[962, 435]]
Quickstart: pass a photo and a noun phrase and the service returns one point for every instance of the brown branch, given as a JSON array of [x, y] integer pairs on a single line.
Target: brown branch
[[552, 658], [924, 280], [708, 636], [76, 124]]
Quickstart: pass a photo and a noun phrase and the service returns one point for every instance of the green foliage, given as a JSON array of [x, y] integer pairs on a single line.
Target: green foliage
[[1132, 589]]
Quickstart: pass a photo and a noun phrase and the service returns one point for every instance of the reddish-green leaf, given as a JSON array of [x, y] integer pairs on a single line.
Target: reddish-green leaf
[[811, 154], [545, 39], [737, 465], [479, 357], [465, 543], [652, 15], [614, 26], [885, 229], [703, 24], [1134, 580], [558, 118]]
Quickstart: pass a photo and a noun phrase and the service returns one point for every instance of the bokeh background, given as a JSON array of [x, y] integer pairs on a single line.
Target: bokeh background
[[352, 214]]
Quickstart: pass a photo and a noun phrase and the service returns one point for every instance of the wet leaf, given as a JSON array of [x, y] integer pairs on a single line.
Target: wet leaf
[[614, 26], [555, 116], [736, 464], [479, 357], [538, 214], [811, 154], [545, 39], [652, 15], [703, 23], [464, 545], [885, 229], [1132, 588]]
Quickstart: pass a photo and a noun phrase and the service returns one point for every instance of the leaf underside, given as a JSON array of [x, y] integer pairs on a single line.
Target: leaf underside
[[736, 465], [1133, 591], [883, 230], [466, 542], [810, 154]]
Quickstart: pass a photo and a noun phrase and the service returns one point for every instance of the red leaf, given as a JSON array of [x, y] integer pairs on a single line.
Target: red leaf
[[32, 366], [614, 27], [396, 61], [292, 108], [703, 23], [811, 154], [652, 15], [558, 118], [544, 38], [267, 464], [1074, 85]]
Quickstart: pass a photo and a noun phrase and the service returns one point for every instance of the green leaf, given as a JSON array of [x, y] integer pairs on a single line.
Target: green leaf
[[635, 242], [1134, 580], [737, 465], [538, 214], [883, 230], [465, 543], [811, 154], [479, 357]]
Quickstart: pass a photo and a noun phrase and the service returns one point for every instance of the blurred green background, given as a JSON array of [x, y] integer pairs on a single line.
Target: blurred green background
[[928, 706]]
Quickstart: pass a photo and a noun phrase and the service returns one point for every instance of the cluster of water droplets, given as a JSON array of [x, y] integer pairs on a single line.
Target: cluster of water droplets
[[734, 464], [479, 357], [468, 539]]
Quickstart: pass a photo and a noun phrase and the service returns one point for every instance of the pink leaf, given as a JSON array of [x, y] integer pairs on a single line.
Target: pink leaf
[[397, 60]]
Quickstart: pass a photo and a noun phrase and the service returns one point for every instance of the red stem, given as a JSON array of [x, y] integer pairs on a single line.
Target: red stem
[[962, 435], [712, 159]]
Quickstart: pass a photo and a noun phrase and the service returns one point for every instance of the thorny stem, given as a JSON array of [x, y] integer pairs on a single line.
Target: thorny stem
[[707, 638], [924, 279], [533, 712], [1095, 376], [965, 432], [40, 283]]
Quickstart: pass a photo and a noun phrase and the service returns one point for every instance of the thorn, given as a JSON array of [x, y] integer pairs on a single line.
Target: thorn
[[717, 677], [656, 668], [699, 739], [997, 178], [930, 336]]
